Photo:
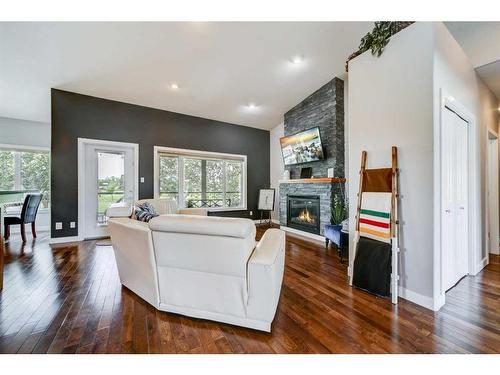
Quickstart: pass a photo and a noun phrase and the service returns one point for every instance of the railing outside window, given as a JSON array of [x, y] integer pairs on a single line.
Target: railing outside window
[[202, 181]]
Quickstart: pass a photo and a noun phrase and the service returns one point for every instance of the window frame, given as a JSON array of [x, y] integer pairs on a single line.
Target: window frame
[[158, 150], [17, 168]]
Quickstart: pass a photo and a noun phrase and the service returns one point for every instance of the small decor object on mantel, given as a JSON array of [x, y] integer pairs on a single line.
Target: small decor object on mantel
[[306, 172]]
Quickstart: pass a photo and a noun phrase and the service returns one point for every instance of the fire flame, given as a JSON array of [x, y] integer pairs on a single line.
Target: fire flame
[[305, 216]]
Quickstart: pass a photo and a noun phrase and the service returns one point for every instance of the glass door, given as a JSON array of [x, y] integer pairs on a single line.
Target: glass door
[[110, 177], [110, 182]]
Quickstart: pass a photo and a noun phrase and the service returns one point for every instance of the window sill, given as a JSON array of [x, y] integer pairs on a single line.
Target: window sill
[[218, 209]]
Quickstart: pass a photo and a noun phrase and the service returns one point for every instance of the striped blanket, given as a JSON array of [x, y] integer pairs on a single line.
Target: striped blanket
[[375, 216]]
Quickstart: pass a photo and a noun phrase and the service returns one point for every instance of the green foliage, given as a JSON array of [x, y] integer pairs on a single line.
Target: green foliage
[[233, 182], [195, 186], [339, 212], [35, 173], [377, 39], [6, 170], [169, 178]]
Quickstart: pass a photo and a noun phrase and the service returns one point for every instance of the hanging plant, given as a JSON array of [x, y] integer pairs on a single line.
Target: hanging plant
[[378, 38]]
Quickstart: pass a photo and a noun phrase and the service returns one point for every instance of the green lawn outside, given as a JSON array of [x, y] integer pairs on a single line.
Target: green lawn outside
[[104, 200]]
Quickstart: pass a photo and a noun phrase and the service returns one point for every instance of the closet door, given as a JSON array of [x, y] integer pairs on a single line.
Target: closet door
[[448, 199], [461, 198], [454, 182]]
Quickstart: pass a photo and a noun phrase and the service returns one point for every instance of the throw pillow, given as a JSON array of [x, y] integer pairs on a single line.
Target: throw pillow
[[144, 212]]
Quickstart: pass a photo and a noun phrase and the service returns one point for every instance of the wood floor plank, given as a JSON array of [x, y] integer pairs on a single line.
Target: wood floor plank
[[68, 299]]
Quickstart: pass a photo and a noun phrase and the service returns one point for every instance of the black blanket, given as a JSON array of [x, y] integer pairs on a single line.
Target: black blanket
[[372, 266]]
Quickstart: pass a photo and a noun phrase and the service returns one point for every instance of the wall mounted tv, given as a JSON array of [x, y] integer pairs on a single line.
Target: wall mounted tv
[[302, 147]]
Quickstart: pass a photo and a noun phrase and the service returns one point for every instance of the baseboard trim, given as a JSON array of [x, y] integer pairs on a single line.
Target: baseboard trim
[[16, 229], [419, 299], [480, 265], [311, 236], [57, 240], [439, 302]]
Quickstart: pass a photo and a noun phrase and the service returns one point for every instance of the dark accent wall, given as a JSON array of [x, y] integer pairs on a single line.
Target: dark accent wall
[[80, 116], [324, 109]]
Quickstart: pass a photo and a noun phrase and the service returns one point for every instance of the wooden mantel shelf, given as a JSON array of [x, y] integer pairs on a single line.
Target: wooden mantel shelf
[[319, 180]]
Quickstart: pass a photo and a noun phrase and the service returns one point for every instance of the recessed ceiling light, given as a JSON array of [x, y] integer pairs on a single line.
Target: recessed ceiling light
[[296, 59], [251, 105], [174, 86]]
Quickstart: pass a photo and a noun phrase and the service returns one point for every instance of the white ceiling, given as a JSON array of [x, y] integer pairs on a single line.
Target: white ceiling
[[490, 74], [219, 67], [479, 40]]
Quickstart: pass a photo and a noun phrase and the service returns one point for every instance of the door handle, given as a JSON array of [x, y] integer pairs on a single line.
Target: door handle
[[462, 208], [447, 211]]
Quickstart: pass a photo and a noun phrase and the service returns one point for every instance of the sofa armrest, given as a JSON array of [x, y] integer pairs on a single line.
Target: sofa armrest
[[265, 275], [193, 211], [135, 259], [119, 210]]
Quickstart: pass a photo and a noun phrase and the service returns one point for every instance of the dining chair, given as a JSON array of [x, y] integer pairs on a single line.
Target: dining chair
[[28, 216]]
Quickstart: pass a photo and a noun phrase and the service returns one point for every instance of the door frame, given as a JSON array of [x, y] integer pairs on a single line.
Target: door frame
[[491, 134], [82, 142], [474, 196]]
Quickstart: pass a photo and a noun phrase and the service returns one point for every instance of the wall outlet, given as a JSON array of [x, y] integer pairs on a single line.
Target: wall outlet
[[58, 225], [72, 224], [251, 213], [142, 180]]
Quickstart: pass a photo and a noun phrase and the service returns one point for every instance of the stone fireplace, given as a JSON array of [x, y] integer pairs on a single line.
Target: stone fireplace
[[313, 194], [305, 204], [303, 213]]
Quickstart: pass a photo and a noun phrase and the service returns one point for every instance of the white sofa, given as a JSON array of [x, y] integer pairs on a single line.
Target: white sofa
[[203, 267], [165, 206]]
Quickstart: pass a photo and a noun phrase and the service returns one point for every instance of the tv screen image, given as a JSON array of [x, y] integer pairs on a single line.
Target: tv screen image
[[302, 147]]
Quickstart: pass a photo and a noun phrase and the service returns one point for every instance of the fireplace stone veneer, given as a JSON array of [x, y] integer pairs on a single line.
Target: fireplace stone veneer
[[324, 190]]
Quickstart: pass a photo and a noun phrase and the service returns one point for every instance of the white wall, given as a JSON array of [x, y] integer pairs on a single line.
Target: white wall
[[277, 166], [30, 134], [390, 103], [26, 133], [454, 73], [393, 101]]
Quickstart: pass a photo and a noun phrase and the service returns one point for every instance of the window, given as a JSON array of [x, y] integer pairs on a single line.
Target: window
[[110, 182], [201, 179], [26, 170]]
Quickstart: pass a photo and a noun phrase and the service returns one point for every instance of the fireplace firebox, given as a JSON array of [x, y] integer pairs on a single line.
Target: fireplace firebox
[[304, 213]]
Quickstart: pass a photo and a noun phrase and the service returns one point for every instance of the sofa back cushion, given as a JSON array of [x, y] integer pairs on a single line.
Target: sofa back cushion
[[204, 225], [163, 206], [203, 244]]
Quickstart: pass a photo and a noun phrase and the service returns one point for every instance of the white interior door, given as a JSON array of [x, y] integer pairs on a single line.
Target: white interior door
[[455, 210], [493, 220], [109, 177]]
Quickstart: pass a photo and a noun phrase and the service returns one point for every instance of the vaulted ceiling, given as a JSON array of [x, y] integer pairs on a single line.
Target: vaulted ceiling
[[219, 68]]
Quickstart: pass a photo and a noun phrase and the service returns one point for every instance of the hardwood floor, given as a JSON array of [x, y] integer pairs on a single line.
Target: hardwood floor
[[68, 299]]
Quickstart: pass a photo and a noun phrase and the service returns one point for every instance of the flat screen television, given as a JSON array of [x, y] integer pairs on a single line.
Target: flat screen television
[[303, 147]]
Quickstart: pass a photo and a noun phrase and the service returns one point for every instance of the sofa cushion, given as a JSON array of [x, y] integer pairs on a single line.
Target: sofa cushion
[[163, 206], [207, 225], [144, 212], [119, 210]]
